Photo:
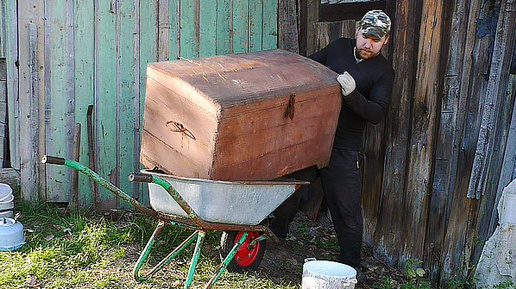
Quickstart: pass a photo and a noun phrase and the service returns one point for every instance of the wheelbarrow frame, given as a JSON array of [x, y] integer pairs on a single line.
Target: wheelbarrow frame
[[192, 222]]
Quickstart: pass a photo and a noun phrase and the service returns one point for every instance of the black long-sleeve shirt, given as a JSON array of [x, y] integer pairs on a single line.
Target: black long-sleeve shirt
[[369, 101]]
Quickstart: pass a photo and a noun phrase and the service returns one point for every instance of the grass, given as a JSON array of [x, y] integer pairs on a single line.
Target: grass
[[79, 249]]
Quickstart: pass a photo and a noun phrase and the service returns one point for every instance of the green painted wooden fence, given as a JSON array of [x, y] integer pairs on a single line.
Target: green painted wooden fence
[[95, 53]]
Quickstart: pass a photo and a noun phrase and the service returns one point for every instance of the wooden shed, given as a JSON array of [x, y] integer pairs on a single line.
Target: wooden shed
[[435, 168], [72, 77]]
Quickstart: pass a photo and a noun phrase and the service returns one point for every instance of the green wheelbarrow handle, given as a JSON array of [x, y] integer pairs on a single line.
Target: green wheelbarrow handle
[[98, 179]]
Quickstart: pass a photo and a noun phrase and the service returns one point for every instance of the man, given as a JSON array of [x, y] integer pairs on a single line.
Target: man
[[366, 79]]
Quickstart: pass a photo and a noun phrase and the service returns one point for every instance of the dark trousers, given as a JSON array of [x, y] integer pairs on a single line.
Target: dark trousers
[[285, 213], [341, 181]]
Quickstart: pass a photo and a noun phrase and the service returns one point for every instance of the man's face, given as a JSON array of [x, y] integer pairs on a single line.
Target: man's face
[[369, 46]]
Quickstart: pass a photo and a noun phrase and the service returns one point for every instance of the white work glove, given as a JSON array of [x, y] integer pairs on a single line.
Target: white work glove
[[347, 82]]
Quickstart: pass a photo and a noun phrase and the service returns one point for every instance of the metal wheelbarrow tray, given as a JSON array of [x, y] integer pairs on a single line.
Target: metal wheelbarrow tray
[[242, 203], [237, 208]]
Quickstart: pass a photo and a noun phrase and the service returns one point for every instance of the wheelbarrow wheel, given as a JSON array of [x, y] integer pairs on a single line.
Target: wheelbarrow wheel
[[247, 258]]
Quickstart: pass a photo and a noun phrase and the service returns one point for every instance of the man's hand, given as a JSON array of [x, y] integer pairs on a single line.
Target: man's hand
[[347, 82]]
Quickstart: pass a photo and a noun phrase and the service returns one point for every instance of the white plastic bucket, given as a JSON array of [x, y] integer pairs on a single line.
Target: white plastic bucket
[[327, 275], [6, 201], [11, 234]]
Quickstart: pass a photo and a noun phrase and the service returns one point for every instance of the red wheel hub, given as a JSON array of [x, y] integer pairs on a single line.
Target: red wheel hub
[[246, 255]]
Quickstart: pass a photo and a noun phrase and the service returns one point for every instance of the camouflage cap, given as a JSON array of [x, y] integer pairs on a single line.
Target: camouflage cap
[[375, 23]]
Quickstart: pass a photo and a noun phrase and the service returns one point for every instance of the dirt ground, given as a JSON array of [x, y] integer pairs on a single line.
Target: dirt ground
[[285, 260], [310, 239]]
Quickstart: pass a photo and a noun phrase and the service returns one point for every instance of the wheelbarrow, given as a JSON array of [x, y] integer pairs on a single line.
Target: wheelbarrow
[[236, 208]]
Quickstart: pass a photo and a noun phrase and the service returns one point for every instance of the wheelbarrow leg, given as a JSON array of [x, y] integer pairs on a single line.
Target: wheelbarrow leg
[[197, 252], [227, 260], [146, 252]]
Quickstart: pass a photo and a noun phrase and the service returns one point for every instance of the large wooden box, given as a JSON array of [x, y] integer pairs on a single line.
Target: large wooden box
[[255, 116]]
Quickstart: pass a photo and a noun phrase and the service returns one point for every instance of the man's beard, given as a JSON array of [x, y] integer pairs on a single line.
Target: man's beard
[[366, 54]]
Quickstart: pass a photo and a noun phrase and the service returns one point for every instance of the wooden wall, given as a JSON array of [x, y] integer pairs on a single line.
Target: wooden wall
[[3, 86], [76, 54], [435, 168], [8, 80]]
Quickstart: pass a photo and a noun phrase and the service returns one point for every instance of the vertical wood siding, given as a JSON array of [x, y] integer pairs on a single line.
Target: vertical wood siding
[[80, 53], [496, 117], [390, 198], [25, 133], [84, 82], [452, 115], [424, 124], [3, 82], [449, 133], [9, 17]]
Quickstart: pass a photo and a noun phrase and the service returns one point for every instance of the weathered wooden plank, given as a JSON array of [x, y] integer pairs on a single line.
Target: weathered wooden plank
[[372, 180], [164, 29], [487, 220], [147, 52], [173, 34], [11, 18], [312, 17], [424, 119], [455, 248], [189, 41], [255, 25], [270, 27], [25, 139], [60, 117], [29, 173], [439, 205], [139, 189], [494, 99], [11, 177], [498, 116], [388, 235], [302, 25], [3, 71], [84, 84], [3, 106], [45, 95], [450, 131], [208, 28], [390, 10], [3, 126], [335, 30], [106, 116], [348, 29], [224, 27], [508, 172], [128, 162], [287, 26], [3, 121], [3, 86], [322, 35], [3, 29], [240, 26], [336, 12]]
